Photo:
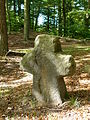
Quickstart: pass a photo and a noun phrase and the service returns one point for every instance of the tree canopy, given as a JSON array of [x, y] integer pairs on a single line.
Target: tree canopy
[[60, 17]]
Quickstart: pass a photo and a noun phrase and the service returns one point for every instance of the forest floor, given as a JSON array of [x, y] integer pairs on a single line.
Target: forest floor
[[16, 100]]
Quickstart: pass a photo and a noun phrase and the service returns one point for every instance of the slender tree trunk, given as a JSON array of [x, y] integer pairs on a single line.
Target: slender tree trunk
[[88, 4], [54, 16], [33, 15], [26, 19], [69, 21], [15, 9], [10, 7], [59, 19], [37, 18], [30, 15], [8, 16], [33, 20], [19, 9], [3, 29], [56, 25], [87, 16], [48, 19], [64, 16]]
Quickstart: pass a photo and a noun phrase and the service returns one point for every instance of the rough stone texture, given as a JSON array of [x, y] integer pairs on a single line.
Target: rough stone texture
[[48, 67]]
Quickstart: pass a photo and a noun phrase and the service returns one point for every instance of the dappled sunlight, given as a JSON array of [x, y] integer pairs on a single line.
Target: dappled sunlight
[[74, 114], [23, 50], [17, 102], [79, 84], [10, 69], [83, 113], [24, 80], [44, 60], [83, 47], [85, 59], [85, 82]]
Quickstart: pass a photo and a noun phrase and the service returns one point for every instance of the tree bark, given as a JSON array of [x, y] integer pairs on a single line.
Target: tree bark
[[54, 16], [88, 4], [8, 16], [3, 29], [87, 15], [59, 19], [69, 21], [19, 9], [32, 19], [15, 9], [30, 15], [26, 19], [37, 18], [64, 16], [48, 19]]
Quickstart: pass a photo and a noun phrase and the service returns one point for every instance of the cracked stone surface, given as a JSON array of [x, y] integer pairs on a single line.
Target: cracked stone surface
[[48, 66]]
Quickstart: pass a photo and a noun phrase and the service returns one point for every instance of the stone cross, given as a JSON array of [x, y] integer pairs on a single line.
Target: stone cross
[[48, 67]]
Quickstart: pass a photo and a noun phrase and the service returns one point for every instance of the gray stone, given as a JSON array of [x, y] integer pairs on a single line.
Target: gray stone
[[48, 67]]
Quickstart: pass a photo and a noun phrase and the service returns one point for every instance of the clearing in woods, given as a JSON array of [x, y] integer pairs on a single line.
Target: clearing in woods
[[16, 101]]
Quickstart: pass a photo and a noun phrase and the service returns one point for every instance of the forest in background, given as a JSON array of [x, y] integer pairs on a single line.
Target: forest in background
[[20, 19], [60, 17]]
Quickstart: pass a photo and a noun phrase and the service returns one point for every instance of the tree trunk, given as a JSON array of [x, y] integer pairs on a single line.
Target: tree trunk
[[37, 18], [8, 16], [30, 16], [32, 19], [64, 16], [15, 9], [48, 19], [87, 16], [3, 29], [88, 4], [54, 16], [59, 19], [19, 9], [26, 19], [69, 21]]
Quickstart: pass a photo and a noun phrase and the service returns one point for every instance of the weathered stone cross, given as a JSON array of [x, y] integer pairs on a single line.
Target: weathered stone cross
[[48, 67]]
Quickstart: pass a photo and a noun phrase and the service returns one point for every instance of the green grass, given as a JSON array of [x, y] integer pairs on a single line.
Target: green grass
[[76, 50], [74, 102], [23, 50]]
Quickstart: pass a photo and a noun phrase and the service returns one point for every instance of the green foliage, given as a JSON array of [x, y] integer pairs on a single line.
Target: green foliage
[[76, 27], [77, 17], [15, 23], [74, 102]]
